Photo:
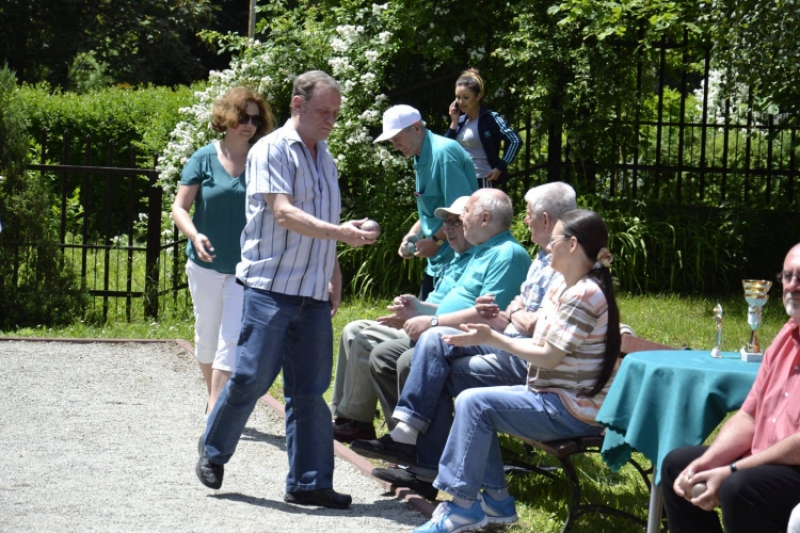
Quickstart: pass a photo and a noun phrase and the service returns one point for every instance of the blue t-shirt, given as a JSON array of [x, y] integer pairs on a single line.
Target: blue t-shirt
[[497, 267], [219, 208], [450, 275], [444, 172]]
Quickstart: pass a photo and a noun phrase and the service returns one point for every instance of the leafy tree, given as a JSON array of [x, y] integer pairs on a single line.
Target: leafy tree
[[35, 286], [136, 41]]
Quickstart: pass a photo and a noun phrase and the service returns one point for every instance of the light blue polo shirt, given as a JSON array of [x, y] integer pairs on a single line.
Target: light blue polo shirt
[[498, 267], [444, 172], [450, 276]]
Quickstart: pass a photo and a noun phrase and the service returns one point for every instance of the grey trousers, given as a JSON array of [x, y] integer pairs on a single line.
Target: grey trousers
[[353, 394], [389, 366]]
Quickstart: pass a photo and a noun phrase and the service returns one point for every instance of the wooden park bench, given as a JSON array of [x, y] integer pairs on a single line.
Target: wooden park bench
[[563, 450]]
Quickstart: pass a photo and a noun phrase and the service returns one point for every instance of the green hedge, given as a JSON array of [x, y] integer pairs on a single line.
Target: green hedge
[[141, 117]]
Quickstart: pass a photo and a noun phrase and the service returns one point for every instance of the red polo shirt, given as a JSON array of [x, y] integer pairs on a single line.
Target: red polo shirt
[[774, 400]]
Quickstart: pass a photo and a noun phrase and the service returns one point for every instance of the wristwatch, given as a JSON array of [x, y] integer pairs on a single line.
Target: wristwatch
[[434, 321], [514, 311], [438, 243]]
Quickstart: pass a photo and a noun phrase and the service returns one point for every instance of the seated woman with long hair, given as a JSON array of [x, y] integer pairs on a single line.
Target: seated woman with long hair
[[571, 359]]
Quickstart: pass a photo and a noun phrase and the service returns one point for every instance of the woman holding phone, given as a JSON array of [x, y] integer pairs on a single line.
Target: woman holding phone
[[213, 180], [571, 359], [481, 131]]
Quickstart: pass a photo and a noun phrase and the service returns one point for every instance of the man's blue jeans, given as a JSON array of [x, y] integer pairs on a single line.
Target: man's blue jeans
[[439, 372], [293, 334], [472, 459]]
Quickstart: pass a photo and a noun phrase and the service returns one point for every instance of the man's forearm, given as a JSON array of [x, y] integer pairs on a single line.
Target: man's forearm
[[733, 441], [294, 219], [465, 316]]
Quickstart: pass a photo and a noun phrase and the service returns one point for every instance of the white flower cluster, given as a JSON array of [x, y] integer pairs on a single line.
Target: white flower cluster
[[354, 56]]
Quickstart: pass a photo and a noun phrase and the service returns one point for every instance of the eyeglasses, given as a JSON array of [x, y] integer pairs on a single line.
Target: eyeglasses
[[786, 277], [255, 120], [555, 238], [454, 223]]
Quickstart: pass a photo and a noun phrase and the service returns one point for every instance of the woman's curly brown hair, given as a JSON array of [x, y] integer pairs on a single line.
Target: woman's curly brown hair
[[233, 104]]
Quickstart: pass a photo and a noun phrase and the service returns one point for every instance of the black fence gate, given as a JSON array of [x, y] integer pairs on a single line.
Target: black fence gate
[[110, 232]]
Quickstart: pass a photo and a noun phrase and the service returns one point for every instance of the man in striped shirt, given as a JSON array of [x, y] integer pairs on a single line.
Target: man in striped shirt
[[292, 289]]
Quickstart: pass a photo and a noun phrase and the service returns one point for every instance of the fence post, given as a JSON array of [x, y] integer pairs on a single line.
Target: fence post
[[153, 247]]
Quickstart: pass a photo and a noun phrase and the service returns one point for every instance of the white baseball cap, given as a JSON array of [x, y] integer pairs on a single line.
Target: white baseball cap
[[396, 119], [456, 208]]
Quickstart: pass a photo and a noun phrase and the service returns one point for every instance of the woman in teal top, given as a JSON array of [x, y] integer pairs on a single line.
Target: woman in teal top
[[213, 181]]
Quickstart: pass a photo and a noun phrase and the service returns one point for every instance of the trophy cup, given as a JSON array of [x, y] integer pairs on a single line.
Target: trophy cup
[[717, 351], [755, 293]]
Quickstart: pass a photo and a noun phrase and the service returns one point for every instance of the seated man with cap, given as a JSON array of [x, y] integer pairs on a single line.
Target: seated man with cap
[[354, 398], [498, 268]]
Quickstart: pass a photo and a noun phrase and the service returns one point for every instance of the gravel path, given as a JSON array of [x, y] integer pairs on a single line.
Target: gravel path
[[103, 437]]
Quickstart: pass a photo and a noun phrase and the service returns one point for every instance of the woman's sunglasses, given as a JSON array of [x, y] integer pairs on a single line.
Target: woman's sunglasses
[[255, 120]]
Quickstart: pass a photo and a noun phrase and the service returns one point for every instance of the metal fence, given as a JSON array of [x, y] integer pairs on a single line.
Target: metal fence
[[110, 232]]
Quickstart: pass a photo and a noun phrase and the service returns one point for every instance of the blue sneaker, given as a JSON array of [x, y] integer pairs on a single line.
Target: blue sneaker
[[499, 512], [450, 518]]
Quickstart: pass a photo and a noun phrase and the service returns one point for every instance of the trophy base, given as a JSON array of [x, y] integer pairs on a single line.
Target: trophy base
[[716, 353], [750, 357]]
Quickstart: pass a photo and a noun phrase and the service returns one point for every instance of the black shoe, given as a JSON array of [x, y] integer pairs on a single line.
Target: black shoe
[[208, 473], [387, 449], [345, 430], [319, 497], [403, 478]]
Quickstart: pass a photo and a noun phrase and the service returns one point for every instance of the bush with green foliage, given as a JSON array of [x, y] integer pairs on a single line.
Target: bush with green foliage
[[36, 287]]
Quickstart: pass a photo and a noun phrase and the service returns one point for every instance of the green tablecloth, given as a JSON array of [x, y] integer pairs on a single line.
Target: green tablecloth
[[661, 400]]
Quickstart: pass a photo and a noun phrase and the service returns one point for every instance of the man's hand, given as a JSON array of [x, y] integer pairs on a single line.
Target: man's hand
[[392, 321], [354, 236], [708, 500], [416, 326], [426, 248], [405, 306], [488, 310], [486, 307], [334, 298]]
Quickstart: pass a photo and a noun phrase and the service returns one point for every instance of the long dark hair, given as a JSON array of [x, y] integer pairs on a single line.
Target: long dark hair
[[592, 234]]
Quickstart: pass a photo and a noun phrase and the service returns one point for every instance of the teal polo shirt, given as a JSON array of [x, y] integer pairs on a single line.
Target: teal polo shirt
[[444, 172], [219, 209], [498, 267], [450, 276]]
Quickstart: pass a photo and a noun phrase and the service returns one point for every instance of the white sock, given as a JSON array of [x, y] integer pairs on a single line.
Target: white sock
[[497, 495], [464, 504], [404, 434]]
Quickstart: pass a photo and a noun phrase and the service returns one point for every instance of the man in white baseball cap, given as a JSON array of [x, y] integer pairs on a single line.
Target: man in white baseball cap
[[444, 172]]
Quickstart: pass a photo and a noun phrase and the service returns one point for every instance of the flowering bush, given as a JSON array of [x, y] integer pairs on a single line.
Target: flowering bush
[[375, 181]]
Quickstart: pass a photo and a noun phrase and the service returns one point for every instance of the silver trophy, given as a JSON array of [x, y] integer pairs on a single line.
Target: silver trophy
[[755, 293], [716, 351]]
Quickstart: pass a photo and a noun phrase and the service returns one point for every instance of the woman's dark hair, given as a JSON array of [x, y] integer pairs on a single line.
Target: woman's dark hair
[[472, 80], [233, 104], [591, 232]]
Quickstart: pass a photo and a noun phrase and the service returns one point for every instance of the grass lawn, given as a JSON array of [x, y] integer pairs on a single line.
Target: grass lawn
[[673, 320]]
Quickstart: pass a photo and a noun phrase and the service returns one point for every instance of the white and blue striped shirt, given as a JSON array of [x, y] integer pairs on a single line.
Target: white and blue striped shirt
[[274, 258]]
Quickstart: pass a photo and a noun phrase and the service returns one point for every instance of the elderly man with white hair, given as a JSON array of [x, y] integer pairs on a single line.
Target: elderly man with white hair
[[444, 172]]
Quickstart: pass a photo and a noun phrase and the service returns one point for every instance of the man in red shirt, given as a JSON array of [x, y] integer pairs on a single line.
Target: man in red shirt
[[752, 470]]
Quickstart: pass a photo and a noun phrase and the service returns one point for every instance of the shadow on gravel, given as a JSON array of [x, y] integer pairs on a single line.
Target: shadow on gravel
[[252, 434], [379, 509]]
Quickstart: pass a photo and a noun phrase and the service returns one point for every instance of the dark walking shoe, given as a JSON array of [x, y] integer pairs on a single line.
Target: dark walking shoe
[[320, 497], [387, 449], [403, 478], [208, 473], [346, 430]]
